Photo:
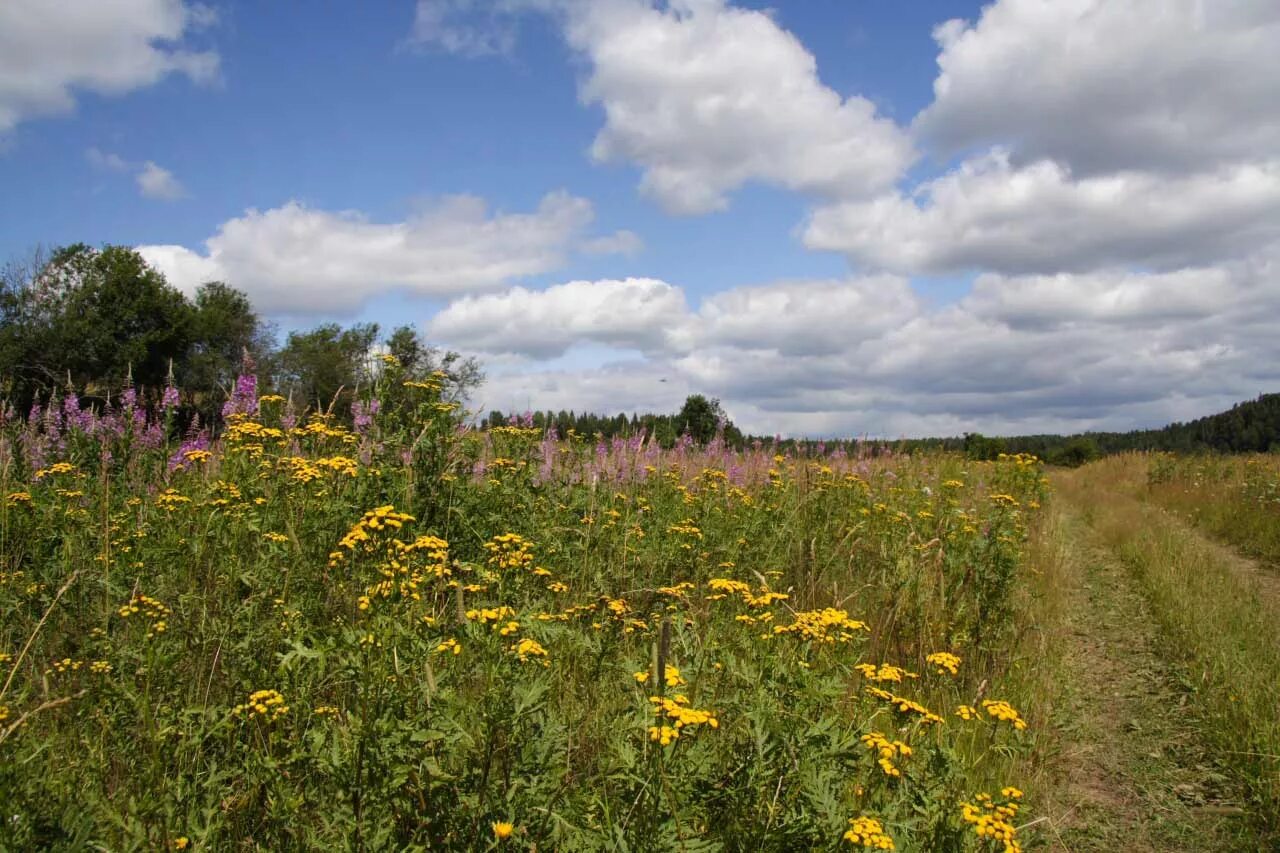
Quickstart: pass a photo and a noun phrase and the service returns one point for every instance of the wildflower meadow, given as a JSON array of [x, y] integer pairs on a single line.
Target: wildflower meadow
[[396, 632]]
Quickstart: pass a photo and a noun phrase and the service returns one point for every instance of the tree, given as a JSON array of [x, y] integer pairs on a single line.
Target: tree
[[326, 361], [224, 327], [702, 418], [93, 317], [463, 374]]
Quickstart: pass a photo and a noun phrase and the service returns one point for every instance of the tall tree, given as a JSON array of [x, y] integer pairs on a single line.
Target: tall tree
[[94, 315], [224, 328], [463, 374], [324, 365]]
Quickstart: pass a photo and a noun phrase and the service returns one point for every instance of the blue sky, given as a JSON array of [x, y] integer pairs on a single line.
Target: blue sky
[[779, 209]]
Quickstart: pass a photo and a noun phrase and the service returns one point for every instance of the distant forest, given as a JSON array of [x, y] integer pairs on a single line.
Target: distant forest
[[1252, 426]]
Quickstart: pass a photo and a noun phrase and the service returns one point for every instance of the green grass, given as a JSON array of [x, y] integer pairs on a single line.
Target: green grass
[[1216, 624], [246, 653], [1234, 498]]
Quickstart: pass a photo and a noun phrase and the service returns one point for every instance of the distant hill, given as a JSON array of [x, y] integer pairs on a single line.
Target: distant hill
[[1251, 426]]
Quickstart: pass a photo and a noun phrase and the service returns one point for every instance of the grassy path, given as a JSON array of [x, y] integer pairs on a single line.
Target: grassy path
[[1132, 768]]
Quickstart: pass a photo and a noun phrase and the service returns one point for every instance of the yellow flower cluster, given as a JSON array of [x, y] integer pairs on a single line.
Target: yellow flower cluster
[[55, 468], [268, 704], [663, 734], [374, 520], [485, 615], [15, 498], [1004, 712], [887, 750], [149, 607], [677, 708], [828, 625], [450, 645], [904, 705], [885, 672], [400, 576], [727, 586], [966, 712], [993, 821], [509, 551], [674, 678], [868, 832], [686, 528], [724, 587], [945, 663], [528, 649], [170, 499]]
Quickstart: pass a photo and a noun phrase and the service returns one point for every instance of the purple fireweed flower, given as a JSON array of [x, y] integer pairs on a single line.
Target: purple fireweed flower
[[74, 417], [362, 414], [153, 436], [244, 398], [197, 439], [170, 399]]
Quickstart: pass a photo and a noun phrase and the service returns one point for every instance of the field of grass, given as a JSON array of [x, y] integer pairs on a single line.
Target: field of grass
[[1235, 498], [1213, 619], [404, 634]]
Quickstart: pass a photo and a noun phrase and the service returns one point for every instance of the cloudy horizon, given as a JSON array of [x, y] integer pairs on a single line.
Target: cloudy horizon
[[1034, 217]]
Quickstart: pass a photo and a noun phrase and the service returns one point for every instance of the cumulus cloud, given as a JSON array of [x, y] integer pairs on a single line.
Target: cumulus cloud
[[154, 181], [989, 214], [158, 182], [864, 355], [706, 97], [50, 51], [298, 260], [1099, 86], [634, 313]]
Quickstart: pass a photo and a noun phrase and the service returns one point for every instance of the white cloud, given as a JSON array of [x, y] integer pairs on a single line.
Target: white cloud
[[706, 97], [1100, 86], [1019, 354], [106, 160], [50, 51], [154, 181], [637, 313], [989, 214], [158, 182], [621, 242], [442, 25], [298, 260], [797, 318]]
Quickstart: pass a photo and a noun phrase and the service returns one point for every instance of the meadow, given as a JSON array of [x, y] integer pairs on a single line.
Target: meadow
[[398, 632]]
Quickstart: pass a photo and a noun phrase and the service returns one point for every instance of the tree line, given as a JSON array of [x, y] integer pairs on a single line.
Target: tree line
[[94, 321], [1249, 427]]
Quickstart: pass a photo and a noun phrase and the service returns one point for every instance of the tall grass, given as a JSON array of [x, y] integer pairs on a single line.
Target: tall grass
[[1219, 624], [409, 635], [1235, 498]]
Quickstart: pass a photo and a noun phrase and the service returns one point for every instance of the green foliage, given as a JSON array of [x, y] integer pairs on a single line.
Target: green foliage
[[978, 446], [326, 361], [257, 648]]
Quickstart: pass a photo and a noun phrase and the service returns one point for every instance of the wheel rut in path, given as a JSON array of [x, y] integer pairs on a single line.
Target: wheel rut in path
[[1131, 772]]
